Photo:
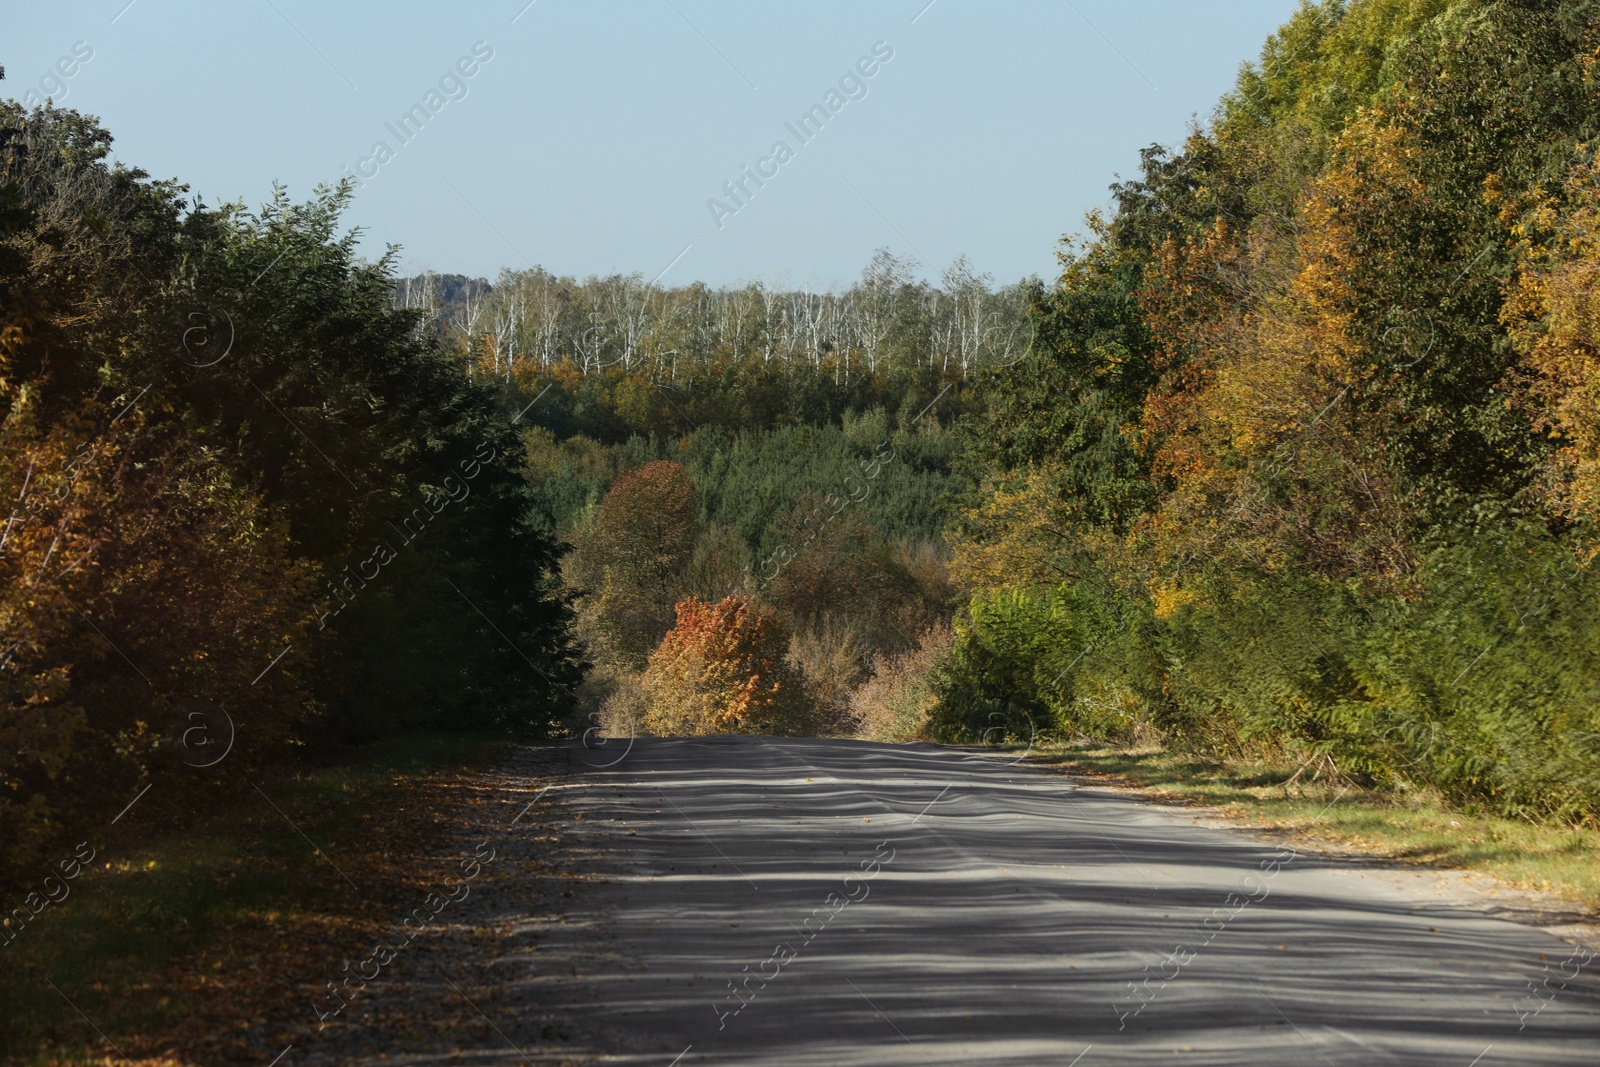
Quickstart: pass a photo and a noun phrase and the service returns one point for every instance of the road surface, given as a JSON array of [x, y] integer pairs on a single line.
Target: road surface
[[797, 901], [762, 901]]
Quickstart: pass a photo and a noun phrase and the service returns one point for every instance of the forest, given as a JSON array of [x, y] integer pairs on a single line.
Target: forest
[[1303, 468], [1297, 460], [754, 483]]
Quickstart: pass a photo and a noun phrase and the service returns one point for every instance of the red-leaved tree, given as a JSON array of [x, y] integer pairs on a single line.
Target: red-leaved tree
[[721, 669]]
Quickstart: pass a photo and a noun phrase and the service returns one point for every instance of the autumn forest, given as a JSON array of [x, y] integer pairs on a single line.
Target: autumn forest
[[1297, 460]]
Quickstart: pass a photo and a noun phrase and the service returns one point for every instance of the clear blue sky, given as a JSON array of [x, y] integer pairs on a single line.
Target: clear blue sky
[[593, 139]]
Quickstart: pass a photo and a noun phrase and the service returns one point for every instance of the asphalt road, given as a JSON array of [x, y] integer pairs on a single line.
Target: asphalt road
[[796, 902]]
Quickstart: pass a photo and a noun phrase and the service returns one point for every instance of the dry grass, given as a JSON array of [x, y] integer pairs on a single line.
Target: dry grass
[[1416, 829]]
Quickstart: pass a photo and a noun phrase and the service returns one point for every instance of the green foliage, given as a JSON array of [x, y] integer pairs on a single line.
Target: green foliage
[[750, 481], [241, 484], [753, 480], [834, 525], [1027, 666], [1072, 396], [1481, 686], [1276, 428]]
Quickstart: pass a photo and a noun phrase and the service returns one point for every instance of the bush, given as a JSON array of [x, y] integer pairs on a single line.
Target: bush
[[893, 704], [721, 669]]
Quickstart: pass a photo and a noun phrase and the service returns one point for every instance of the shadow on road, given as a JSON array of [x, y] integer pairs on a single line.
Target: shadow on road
[[803, 901]]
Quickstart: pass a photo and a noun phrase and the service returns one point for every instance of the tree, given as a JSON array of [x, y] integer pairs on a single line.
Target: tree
[[1314, 413], [240, 482], [640, 543], [1555, 319], [721, 669]]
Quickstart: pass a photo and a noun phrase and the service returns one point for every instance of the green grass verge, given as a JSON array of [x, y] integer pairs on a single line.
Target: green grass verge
[[1411, 828], [134, 941]]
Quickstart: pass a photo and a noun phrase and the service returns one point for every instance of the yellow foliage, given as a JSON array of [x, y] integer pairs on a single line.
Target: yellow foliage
[[1021, 535], [1554, 316], [1266, 435]]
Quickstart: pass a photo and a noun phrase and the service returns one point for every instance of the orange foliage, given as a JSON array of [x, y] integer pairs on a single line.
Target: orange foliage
[[722, 670], [1554, 316], [649, 512], [1193, 318], [129, 597], [1271, 464]]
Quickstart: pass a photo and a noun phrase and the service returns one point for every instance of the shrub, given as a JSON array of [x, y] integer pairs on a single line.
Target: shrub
[[893, 704], [721, 669]]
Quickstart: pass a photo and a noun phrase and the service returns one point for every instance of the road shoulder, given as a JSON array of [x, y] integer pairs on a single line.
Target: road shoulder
[[1367, 835]]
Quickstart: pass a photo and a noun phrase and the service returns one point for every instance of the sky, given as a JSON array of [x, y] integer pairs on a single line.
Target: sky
[[593, 138]]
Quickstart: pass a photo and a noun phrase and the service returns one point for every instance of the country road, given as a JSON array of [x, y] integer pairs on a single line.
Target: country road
[[745, 900], [794, 902]]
